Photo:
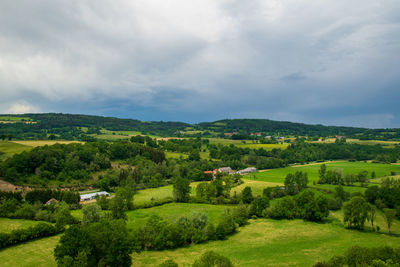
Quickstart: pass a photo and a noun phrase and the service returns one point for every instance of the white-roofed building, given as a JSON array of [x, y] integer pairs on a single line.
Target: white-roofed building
[[91, 196]]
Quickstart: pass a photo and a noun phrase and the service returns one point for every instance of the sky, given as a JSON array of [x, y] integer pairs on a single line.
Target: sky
[[321, 62]]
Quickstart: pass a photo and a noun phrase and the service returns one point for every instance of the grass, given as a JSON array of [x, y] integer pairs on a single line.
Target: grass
[[175, 155], [246, 144], [11, 148], [35, 143], [14, 147], [7, 225], [278, 175], [37, 253], [174, 211], [331, 187], [146, 195], [264, 146], [268, 242], [14, 118], [264, 242], [257, 187]]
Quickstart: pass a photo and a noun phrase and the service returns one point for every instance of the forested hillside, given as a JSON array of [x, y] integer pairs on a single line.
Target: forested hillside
[[86, 127]]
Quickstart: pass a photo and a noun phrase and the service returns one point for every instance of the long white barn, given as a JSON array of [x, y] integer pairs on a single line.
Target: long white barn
[[91, 196]]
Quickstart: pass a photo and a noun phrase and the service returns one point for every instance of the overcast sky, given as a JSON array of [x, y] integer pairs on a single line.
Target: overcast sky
[[329, 62]]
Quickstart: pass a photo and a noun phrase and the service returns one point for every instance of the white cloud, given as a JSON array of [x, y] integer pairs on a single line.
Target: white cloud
[[21, 108]]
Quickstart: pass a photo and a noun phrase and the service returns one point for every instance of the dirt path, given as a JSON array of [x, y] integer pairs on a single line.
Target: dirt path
[[6, 186], [318, 163]]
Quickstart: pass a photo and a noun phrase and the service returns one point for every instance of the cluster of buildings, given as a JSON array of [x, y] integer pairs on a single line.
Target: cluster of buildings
[[228, 170]]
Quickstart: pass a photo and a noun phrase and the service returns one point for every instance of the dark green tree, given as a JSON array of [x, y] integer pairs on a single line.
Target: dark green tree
[[247, 195], [355, 212], [181, 189], [390, 215]]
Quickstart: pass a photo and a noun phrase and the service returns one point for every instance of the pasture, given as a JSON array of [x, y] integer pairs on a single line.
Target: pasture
[[14, 147], [264, 242], [11, 148], [278, 175], [173, 211], [7, 225], [361, 142], [247, 144], [36, 143], [257, 187]]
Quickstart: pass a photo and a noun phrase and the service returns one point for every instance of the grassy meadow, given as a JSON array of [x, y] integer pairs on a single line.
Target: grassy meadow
[[14, 147], [257, 187], [174, 211], [264, 242], [7, 225], [278, 175], [11, 148], [246, 144]]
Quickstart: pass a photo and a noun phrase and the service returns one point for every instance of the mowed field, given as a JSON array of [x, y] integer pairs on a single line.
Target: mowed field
[[7, 225], [264, 242], [13, 147], [247, 144], [278, 175]]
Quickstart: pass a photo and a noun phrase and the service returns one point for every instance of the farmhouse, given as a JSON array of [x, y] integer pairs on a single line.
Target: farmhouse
[[225, 170], [91, 196]]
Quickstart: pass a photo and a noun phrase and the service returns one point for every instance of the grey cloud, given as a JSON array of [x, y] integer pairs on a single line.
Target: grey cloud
[[201, 60]]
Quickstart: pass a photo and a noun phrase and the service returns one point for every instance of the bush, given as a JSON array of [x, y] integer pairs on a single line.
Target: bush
[[21, 235], [211, 259]]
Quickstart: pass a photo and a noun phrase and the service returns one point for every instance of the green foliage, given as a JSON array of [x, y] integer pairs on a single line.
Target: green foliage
[[104, 243], [390, 216], [294, 183], [362, 256], [240, 214], [283, 209], [258, 206], [91, 213], [181, 189], [355, 212], [118, 207], [212, 259], [311, 208], [22, 235], [64, 217], [247, 195], [158, 234]]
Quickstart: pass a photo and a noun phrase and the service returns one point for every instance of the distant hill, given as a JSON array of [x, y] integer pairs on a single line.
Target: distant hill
[[72, 126]]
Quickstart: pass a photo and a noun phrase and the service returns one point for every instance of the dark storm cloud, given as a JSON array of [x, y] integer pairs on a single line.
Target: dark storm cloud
[[330, 62]]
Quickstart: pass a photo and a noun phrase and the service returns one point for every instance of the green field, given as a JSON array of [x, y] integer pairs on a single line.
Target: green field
[[34, 253], [257, 187], [174, 211], [175, 155], [246, 144], [7, 225], [13, 147], [268, 242], [264, 242], [14, 118], [278, 175], [146, 195]]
